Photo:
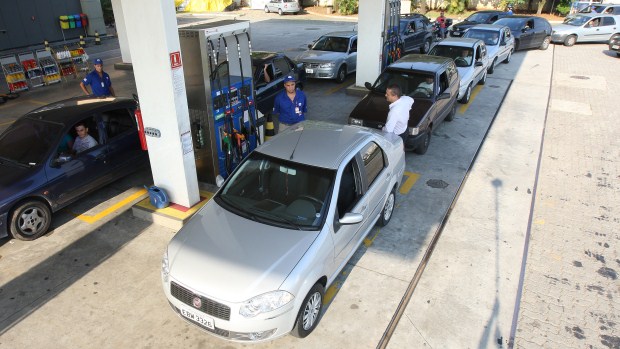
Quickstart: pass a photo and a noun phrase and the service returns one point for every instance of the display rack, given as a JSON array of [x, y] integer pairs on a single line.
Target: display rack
[[51, 72], [31, 68], [66, 64], [13, 73]]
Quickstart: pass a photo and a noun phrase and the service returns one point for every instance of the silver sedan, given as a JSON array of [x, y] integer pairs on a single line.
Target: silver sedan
[[254, 263], [332, 56], [498, 39], [283, 6]]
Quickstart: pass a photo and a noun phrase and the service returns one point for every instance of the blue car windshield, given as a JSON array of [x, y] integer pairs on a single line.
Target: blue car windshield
[[331, 43], [278, 192], [28, 141]]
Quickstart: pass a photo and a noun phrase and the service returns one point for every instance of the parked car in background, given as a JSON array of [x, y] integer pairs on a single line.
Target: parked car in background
[[614, 44], [586, 27], [282, 7], [254, 263], [528, 31], [499, 42], [488, 17], [610, 9], [430, 107], [39, 174], [279, 66], [471, 59], [332, 56], [416, 32]]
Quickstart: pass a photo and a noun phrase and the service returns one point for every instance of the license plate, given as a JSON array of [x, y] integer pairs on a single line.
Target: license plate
[[199, 318], [309, 71], [615, 47]]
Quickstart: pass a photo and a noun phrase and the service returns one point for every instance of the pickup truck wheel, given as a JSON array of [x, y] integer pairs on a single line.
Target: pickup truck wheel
[[467, 95], [451, 114], [570, 40], [30, 220], [342, 74], [492, 66], [266, 9], [507, 60], [388, 209], [545, 44], [422, 148], [426, 47], [483, 80]]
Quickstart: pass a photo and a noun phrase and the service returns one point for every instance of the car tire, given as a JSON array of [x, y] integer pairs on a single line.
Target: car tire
[[483, 80], [507, 60], [492, 67], [545, 44], [388, 209], [280, 12], [342, 74], [310, 312], [422, 148], [426, 47], [30, 220], [570, 40], [467, 96], [452, 113], [266, 9]]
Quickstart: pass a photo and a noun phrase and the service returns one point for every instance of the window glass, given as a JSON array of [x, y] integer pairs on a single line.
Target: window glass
[[374, 162], [608, 21], [348, 193], [281, 66], [27, 141], [117, 122]]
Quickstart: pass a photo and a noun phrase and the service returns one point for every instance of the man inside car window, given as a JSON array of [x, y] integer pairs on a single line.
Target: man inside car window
[[83, 141]]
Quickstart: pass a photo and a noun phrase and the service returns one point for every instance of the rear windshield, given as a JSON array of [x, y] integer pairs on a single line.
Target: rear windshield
[[28, 141]]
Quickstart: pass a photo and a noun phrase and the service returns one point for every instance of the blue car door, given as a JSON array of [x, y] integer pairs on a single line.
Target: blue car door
[[70, 177], [122, 141]]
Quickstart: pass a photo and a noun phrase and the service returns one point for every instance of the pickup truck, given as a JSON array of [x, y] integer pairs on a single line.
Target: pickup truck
[[430, 107]]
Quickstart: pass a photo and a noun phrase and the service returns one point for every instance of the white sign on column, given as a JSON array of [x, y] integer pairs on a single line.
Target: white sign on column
[[158, 69]]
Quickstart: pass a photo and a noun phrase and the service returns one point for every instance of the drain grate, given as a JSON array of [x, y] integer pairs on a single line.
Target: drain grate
[[580, 77]]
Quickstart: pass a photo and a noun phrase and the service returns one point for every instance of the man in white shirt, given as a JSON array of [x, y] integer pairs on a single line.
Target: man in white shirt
[[398, 116], [83, 141], [426, 86]]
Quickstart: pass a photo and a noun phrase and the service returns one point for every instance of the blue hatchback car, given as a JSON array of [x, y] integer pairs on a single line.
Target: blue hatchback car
[[39, 171]]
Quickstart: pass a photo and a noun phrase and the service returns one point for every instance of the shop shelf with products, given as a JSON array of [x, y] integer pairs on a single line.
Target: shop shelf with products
[[32, 68], [51, 72], [65, 62], [79, 57], [13, 73]]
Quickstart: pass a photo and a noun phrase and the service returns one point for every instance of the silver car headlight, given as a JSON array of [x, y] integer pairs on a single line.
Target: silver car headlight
[[327, 65], [165, 267], [357, 122], [265, 303]]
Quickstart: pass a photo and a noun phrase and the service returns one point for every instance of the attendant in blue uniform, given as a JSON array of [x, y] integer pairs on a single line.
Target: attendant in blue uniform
[[290, 105], [99, 81]]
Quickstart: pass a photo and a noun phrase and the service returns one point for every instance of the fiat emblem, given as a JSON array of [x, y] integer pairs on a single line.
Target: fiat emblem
[[196, 302]]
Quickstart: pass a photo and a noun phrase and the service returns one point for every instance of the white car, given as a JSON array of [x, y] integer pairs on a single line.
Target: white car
[[589, 27], [498, 39], [282, 7], [471, 60], [254, 263]]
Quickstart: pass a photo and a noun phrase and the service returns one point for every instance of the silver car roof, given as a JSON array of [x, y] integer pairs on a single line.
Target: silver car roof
[[316, 143], [342, 34], [494, 27], [462, 42]]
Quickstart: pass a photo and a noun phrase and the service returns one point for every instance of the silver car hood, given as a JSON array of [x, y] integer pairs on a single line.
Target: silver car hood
[[320, 56], [231, 258]]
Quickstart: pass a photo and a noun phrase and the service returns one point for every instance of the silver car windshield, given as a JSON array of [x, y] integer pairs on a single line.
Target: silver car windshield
[[577, 21], [331, 43], [490, 37], [278, 192]]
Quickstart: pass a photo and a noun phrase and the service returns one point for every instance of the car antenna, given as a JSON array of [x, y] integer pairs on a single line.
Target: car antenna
[[295, 147]]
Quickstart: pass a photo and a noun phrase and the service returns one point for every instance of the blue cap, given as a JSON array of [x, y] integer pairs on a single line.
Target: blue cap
[[98, 61], [289, 78]]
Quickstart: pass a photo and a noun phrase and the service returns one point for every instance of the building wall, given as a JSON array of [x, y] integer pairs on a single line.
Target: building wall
[[27, 23]]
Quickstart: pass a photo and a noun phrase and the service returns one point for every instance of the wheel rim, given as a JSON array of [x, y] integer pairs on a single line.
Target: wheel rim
[[571, 40], [341, 74], [389, 207], [427, 46], [31, 220], [546, 43], [468, 93], [266, 9], [311, 311], [280, 12], [509, 56]]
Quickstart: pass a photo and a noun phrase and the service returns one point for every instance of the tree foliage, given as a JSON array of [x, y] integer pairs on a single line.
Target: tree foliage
[[347, 7]]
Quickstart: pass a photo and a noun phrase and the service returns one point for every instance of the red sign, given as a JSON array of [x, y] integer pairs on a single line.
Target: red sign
[[175, 60]]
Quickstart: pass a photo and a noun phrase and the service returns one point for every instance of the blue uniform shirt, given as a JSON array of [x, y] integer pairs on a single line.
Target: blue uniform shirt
[[291, 112], [100, 86]]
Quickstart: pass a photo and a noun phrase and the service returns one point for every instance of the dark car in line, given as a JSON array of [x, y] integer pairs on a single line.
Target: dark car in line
[[528, 31], [480, 17], [416, 32], [279, 67], [39, 174], [430, 107]]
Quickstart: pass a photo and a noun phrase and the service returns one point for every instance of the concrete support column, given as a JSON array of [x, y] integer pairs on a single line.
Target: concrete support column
[[121, 30], [154, 40], [371, 25]]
